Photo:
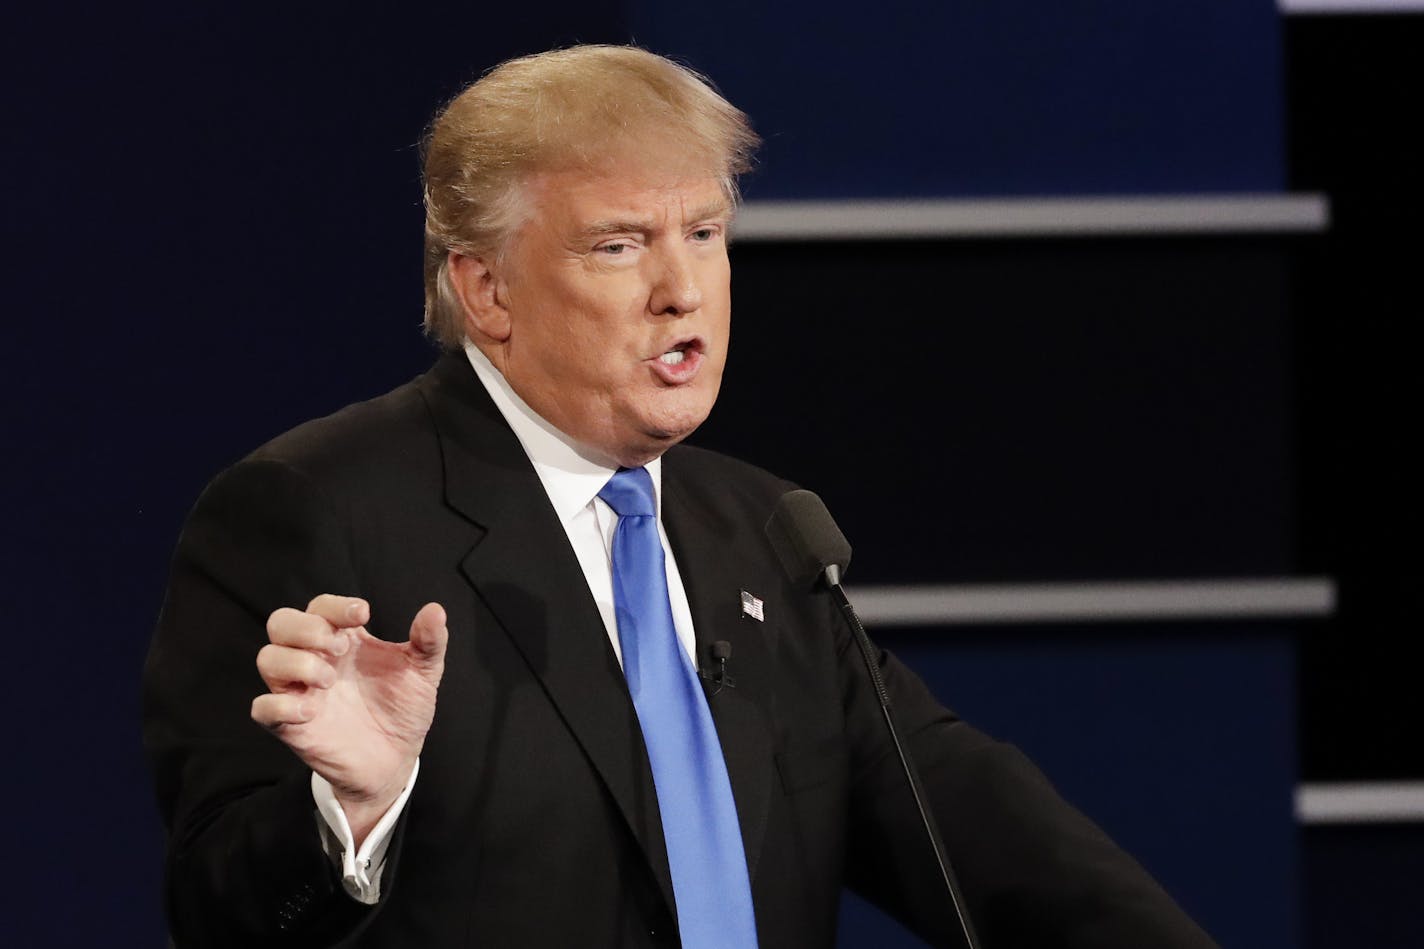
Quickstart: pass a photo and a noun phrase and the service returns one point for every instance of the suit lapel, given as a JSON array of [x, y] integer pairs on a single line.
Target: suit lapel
[[702, 539], [531, 581]]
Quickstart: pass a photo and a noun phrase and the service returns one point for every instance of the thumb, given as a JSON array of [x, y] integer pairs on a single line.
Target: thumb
[[428, 634]]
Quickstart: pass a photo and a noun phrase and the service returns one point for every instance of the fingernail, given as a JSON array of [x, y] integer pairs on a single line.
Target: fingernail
[[340, 646], [354, 610], [304, 710]]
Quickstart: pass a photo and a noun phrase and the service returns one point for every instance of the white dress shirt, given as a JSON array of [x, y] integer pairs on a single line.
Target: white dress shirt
[[572, 482]]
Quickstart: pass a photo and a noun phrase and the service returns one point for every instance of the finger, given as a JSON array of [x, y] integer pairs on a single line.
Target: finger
[[289, 627], [273, 709], [342, 612], [282, 667], [428, 635]]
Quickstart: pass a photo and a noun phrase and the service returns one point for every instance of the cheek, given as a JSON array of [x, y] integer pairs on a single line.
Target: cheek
[[575, 333]]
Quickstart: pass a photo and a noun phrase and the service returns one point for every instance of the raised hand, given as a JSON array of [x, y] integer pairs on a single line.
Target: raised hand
[[353, 707]]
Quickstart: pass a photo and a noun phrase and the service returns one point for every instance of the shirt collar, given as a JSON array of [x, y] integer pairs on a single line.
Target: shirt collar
[[571, 478]]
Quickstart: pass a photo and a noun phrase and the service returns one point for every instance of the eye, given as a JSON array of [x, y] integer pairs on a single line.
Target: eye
[[613, 248], [704, 234]]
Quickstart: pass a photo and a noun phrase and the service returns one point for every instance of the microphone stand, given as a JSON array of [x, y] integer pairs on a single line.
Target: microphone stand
[[832, 576]]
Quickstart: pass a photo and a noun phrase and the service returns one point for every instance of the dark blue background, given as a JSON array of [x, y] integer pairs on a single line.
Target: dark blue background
[[212, 232], [898, 99]]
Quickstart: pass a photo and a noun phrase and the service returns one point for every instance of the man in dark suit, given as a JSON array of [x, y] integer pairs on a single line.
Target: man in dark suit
[[499, 774]]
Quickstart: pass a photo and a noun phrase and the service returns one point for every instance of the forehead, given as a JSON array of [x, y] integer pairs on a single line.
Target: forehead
[[580, 198]]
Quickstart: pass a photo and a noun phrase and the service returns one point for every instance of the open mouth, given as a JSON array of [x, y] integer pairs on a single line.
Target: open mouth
[[681, 352], [680, 362]]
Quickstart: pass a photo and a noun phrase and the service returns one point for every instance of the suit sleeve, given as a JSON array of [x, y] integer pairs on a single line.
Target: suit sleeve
[[1034, 871], [245, 863]]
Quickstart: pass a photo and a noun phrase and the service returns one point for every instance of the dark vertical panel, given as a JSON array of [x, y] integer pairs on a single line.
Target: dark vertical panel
[[1354, 91], [1353, 87]]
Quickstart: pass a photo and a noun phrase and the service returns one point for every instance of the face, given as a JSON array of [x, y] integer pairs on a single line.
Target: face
[[616, 299]]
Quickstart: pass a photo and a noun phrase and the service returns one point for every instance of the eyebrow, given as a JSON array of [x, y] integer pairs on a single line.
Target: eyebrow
[[715, 209], [602, 228]]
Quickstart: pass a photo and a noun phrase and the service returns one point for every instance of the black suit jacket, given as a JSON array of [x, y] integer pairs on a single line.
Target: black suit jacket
[[534, 821]]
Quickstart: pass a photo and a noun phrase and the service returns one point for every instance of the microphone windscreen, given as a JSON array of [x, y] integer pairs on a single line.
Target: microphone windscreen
[[806, 538]]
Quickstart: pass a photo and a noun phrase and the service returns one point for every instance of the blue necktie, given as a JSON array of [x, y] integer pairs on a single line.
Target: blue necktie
[[704, 839]]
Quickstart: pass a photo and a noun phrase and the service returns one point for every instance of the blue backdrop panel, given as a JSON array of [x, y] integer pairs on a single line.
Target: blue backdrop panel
[[1178, 739], [1362, 886], [969, 98]]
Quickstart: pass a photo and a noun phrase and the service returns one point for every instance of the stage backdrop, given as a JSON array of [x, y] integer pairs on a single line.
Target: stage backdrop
[[213, 232]]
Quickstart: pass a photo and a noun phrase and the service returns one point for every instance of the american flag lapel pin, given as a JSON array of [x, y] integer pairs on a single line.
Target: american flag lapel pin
[[752, 606]]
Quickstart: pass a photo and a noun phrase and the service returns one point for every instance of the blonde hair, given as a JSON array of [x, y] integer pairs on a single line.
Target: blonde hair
[[564, 109]]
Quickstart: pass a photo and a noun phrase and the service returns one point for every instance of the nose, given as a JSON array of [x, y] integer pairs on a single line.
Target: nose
[[675, 289]]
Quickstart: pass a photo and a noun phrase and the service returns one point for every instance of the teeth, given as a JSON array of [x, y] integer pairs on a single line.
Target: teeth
[[672, 358]]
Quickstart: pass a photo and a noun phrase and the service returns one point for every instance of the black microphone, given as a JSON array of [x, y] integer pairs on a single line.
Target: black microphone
[[806, 539], [720, 651], [814, 553]]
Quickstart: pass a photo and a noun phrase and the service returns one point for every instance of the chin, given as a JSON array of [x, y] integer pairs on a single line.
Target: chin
[[656, 436], [673, 427], [658, 421]]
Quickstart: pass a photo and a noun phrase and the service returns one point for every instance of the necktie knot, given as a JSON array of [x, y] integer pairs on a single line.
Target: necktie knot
[[630, 493]]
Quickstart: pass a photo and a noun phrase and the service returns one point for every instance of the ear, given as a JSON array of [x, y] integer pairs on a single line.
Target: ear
[[482, 296]]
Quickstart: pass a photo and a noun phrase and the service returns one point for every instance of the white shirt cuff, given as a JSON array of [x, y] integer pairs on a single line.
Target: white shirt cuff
[[360, 869]]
